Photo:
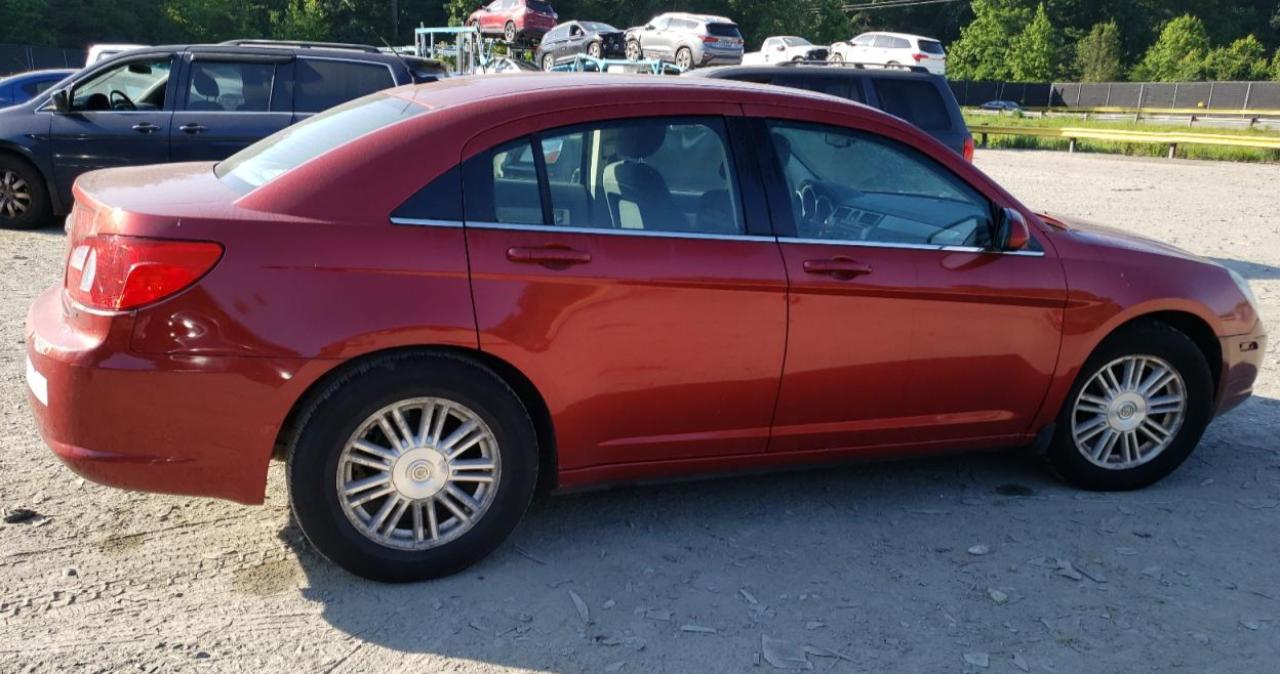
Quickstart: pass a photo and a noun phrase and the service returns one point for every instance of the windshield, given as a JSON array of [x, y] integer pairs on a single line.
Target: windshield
[[596, 27], [540, 7], [796, 42], [285, 150]]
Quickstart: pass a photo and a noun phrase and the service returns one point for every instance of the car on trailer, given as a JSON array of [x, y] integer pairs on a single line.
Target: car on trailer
[[515, 21], [687, 40], [648, 278], [590, 38]]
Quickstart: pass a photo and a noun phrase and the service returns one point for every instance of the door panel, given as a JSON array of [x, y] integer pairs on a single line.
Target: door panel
[[227, 105]]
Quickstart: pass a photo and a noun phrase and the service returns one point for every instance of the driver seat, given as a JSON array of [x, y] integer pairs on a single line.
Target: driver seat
[[207, 87], [637, 194]]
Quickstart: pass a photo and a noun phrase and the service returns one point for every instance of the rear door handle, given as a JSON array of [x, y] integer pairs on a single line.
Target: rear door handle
[[839, 267], [549, 256], [145, 127], [193, 128]]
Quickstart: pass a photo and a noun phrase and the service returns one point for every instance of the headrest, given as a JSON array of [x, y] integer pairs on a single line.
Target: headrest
[[642, 140], [205, 84]]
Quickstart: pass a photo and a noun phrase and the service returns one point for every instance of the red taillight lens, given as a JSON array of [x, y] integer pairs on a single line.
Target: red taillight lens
[[710, 38], [968, 149], [115, 273], [919, 57]]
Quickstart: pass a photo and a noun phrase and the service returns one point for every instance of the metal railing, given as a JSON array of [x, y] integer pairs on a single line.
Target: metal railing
[[1172, 139]]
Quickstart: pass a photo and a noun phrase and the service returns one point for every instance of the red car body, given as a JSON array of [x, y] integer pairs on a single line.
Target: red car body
[[662, 357], [530, 20]]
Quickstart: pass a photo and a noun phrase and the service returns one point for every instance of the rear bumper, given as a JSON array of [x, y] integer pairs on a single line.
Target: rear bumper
[[175, 424], [1241, 361], [718, 58]]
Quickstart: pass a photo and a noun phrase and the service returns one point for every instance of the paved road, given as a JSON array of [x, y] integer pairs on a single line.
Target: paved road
[[858, 569]]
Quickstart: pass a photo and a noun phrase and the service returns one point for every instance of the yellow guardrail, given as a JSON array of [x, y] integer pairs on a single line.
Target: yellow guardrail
[[1224, 112], [1170, 138]]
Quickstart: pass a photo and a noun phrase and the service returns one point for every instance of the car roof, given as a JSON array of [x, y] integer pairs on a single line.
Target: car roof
[[352, 54], [886, 33], [725, 72], [707, 18]]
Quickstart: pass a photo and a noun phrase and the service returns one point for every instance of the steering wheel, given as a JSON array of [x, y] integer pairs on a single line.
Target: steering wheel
[[125, 103]]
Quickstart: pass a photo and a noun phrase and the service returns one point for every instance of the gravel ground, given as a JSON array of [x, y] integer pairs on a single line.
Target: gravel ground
[[979, 563]]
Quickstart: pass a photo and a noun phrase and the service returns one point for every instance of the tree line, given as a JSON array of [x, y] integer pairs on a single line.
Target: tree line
[[1019, 40]]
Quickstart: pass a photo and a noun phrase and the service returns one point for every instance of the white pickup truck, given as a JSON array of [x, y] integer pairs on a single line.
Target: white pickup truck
[[785, 49]]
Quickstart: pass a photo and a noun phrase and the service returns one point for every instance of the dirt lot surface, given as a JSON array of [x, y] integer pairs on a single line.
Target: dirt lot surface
[[980, 563]]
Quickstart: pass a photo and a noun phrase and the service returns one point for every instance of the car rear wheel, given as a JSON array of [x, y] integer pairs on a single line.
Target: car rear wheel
[[633, 51], [593, 50], [412, 467], [509, 32], [684, 58], [1136, 412], [24, 202], [548, 62]]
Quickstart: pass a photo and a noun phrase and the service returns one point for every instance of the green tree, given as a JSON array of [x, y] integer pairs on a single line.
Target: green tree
[[1244, 59], [1275, 66], [301, 20], [457, 11], [24, 22], [1033, 54], [981, 51], [1098, 55], [1178, 54]]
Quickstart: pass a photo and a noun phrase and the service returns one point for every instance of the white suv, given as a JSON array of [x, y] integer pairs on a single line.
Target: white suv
[[892, 49]]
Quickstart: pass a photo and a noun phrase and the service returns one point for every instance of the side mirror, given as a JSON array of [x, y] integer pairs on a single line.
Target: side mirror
[[1012, 233], [61, 102], [780, 47], [649, 27]]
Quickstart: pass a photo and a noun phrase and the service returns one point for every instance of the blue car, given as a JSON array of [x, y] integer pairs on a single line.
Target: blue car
[[23, 87], [172, 104]]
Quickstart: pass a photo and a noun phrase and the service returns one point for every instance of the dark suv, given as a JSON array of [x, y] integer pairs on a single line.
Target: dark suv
[[913, 94], [177, 103]]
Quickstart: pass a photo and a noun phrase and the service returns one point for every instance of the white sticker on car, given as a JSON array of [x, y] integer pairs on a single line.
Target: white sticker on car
[[38, 384]]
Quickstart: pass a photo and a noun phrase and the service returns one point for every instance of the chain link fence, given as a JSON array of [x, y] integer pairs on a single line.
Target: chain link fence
[[1223, 96], [18, 58]]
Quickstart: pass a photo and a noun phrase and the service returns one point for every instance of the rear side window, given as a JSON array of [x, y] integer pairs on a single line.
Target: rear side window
[[322, 84], [931, 47], [723, 30], [230, 87], [916, 101], [900, 43], [280, 152], [883, 42], [842, 87]]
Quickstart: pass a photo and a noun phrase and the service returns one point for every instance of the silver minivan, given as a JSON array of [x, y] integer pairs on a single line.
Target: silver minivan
[[687, 40]]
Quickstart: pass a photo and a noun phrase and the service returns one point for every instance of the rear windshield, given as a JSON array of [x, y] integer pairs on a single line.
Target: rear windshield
[[540, 7], [283, 151], [917, 101], [723, 30], [931, 47]]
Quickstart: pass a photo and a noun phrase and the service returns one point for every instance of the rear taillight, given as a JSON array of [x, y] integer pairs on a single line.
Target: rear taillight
[[710, 38], [919, 57], [115, 273], [967, 152]]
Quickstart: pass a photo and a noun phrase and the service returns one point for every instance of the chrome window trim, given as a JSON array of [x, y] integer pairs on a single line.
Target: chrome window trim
[[911, 246], [426, 222], [617, 232]]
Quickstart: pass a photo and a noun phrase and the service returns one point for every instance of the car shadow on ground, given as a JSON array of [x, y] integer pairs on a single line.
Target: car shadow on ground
[[748, 556]]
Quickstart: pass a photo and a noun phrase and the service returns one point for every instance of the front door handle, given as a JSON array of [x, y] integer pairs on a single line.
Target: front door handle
[[842, 268], [193, 128], [555, 257], [146, 127]]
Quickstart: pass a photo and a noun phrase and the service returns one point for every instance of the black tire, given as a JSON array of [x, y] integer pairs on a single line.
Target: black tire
[[313, 462], [633, 51], [509, 32], [24, 200], [1145, 339], [684, 58]]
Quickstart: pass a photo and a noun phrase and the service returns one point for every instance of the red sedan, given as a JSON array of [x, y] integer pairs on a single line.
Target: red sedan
[[435, 301]]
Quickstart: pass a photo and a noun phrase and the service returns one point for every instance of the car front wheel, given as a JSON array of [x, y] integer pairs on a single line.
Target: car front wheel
[[633, 51], [412, 467], [1136, 412], [548, 62], [509, 32], [836, 57], [593, 50], [24, 202]]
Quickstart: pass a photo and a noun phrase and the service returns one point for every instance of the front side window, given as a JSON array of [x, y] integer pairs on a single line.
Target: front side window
[[320, 84], [864, 40], [883, 42], [230, 87], [651, 175], [137, 85], [858, 187]]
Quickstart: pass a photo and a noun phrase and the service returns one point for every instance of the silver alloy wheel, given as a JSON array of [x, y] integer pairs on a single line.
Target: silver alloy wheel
[[418, 473], [684, 58], [1129, 412], [548, 62], [633, 51], [509, 32], [15, 195], [593, 50]]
